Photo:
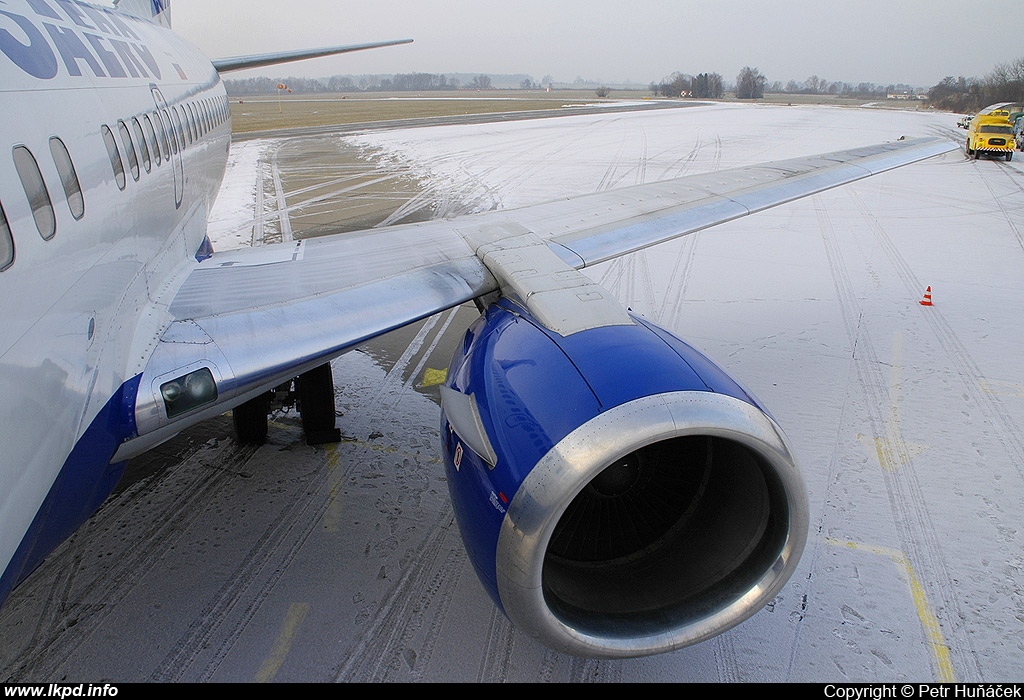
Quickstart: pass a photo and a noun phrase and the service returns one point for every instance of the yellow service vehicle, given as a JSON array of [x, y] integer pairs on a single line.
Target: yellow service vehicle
[[991, 131]]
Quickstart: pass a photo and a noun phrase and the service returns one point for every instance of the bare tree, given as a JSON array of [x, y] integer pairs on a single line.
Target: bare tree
[[1006, 82], [708, 85], [750, 84]]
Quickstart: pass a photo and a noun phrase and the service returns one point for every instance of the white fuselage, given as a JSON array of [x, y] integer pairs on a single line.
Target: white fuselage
[[81, 312]]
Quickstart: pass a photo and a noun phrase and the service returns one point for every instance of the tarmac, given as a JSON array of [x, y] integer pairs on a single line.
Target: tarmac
[[342, 563]]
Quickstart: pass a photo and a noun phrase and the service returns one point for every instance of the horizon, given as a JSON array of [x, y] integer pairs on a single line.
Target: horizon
[[916, 43]]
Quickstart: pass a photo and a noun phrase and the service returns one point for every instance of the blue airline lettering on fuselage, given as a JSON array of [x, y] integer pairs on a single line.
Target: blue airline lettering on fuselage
[[85, 38]]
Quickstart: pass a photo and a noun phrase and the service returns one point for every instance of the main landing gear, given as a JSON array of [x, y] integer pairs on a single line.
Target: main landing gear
[[311, 392]]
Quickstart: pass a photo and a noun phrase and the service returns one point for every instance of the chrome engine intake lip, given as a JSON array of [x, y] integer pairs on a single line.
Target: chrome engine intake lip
[[761, 561]]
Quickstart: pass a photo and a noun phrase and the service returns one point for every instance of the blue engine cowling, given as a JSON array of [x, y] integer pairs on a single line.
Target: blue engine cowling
[[618, 494]]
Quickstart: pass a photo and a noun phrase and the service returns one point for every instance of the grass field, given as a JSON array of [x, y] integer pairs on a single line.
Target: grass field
[[265, 113], [260, 113]]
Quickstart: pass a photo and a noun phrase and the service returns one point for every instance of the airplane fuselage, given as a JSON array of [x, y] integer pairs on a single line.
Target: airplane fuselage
[[142, 117]]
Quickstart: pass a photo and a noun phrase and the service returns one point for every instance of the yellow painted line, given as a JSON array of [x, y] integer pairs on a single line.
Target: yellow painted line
[[998, 388], [891, 453], [293, 620], [891, 450], [332, 515], [932, 630]]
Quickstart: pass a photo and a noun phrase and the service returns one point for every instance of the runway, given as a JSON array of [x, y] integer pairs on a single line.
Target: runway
[[216, 562]]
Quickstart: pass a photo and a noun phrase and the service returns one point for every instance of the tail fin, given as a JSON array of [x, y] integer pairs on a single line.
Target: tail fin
[[155, 11]]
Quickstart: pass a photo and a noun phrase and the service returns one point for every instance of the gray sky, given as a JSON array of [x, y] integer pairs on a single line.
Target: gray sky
[[879, 41]]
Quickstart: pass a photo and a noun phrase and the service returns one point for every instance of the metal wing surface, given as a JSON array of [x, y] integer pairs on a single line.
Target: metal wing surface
[[262, 315]]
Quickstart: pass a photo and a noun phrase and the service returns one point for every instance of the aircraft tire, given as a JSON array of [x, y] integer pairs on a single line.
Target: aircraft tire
[[250, 420], [316, 405]]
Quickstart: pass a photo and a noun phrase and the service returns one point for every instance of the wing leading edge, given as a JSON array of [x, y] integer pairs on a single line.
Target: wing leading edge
[[224, 65], [257, 317]]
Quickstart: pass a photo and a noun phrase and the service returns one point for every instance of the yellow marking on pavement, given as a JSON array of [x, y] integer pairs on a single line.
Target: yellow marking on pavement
[[332, 515], [293, 620], [932, 630], [891, 450], [998, 388], [434, 377]]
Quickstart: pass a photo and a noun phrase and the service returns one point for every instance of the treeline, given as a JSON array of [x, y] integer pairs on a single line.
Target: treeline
[[1004, 84], [967, 95], [821, 86], [343, 83], [752, 84], [401, 82], [705, 85]]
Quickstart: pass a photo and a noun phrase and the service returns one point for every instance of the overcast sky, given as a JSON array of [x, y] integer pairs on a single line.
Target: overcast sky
[[878, 41]]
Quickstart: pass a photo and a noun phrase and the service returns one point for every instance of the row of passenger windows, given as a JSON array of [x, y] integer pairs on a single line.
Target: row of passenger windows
[[146, 140], [154, 137]]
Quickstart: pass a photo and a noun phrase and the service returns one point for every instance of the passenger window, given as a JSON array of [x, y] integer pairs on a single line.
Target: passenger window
[[129, 149], [151, 137], [140, 139], [172, 136], [68, 177], [35, 190], [6, 243], [190, 117], [162, 128], [180, 122], [186, 129], [115, 157], [178, 129]]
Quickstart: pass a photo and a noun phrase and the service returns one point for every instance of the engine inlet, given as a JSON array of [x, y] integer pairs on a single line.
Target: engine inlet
[[683, 516]]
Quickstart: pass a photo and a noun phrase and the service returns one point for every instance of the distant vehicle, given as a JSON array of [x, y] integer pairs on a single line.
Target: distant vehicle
[[965, 121], [991, 132]]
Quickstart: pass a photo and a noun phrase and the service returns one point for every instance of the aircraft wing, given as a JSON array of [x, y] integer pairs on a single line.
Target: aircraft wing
[[224, 65], [257, 317]]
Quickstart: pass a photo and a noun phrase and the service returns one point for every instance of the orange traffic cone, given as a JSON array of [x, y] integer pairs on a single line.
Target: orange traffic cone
[[927, 301]]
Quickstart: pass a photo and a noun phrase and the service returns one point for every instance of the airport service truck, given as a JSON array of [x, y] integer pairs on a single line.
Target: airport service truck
[[991, 132]]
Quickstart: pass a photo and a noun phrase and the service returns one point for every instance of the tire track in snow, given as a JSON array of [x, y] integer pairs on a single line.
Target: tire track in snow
[[914, 525], [387, 645], [156, 525], [209, 638]]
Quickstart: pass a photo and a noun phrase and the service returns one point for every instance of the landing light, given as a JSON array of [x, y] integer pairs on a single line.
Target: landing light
[[189, 391]]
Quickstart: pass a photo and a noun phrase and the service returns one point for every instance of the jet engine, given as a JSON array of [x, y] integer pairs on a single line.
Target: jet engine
[[618, 494]]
